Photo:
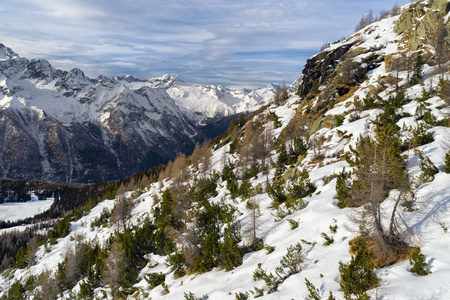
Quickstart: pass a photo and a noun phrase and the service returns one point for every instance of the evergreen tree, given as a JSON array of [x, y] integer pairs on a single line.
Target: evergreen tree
[[380, 168], [418, 69], [447, 162], [417, 261], [301, 186], [210, 255], [297, 149], [283, 159], [230, 253], [427, 167], [343, 188], [277, 191], [357, 276]]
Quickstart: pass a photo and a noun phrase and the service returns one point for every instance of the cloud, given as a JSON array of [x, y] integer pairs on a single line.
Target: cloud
[[230, 42]]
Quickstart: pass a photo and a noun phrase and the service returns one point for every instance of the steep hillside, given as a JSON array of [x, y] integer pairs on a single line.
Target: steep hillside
[[63, 126], [337, 191]]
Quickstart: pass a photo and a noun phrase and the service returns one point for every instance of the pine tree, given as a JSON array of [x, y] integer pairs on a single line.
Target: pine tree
[[427, 167], [380, 168], [417, 261], [230, 253], [418, 69], [343, 188], [314, 293], [283, 159], [357, 276], [293, 259], [447, 162], [210, 252]]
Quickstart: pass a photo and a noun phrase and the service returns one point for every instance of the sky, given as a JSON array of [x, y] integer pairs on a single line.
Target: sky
[[235, 43]]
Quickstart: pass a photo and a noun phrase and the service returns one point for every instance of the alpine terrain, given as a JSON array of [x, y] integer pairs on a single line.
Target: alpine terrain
[[63, 126], [337, 189]]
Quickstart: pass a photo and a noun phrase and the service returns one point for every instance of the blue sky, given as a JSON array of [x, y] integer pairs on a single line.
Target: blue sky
[[237, 43]]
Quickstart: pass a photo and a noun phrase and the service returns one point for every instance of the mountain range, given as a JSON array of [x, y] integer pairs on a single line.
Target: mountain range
[[63, 126]]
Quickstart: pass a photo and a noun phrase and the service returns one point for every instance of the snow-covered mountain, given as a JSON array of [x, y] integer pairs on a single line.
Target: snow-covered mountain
[[63, 126], [257, 213]]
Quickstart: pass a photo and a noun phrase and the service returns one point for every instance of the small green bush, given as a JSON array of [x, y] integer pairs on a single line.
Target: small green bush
[[417, 261], [333, 229], [293, 224], [293, 259], [339, 119], [357, 276], [328, 240], [427, 167], [241, 296], [343, 188], [447, 162]]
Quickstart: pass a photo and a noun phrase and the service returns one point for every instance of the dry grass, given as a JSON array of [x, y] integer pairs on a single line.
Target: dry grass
[[379, 258]]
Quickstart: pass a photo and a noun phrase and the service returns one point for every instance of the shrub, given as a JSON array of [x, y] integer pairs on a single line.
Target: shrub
[[372, 101], [427, 167], [177, 262], [155, 279], [328, 240], [447, 162], [343, 188], [339, 119], [277, 192], [293, 224], [276, 120], [314, 293], [333, 228], [293, 259], [271, 281], [357, 276], [241, 296], [301, 185], [417, 261]]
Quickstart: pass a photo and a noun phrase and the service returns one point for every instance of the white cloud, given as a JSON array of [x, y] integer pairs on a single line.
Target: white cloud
[[230, 40]]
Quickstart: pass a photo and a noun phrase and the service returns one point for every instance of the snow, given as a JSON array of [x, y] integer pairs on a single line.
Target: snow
[[429, 223], [91, 100], [14, 211]]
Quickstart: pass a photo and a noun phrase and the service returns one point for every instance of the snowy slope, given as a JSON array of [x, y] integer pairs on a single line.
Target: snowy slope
[[429, 222]]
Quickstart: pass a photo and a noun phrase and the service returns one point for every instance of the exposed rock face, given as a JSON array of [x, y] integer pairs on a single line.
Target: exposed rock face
[[321, 67], [63, 126], [420, 21]]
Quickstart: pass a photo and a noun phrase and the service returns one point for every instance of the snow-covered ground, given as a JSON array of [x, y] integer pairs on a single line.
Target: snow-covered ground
[[430, 222], [22, 210]]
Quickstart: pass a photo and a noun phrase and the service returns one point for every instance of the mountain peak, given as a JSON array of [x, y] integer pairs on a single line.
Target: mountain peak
[[7, 53]]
